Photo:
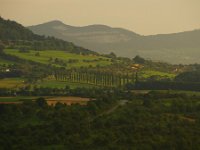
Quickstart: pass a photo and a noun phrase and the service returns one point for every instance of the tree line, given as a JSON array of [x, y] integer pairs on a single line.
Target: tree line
[[99, 78]]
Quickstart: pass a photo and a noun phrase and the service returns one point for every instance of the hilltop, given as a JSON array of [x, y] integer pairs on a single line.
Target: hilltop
[[14, 35]]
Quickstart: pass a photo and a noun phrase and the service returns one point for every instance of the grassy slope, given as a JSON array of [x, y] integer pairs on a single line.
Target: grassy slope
[[47, 54], [44, 58], [149, 73], [11, 82]]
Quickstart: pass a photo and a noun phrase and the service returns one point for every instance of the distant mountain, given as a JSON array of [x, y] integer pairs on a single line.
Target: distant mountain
[[14, 35], [181, 47]]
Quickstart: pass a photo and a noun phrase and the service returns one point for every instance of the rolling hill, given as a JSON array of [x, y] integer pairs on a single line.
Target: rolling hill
[[176, 48]]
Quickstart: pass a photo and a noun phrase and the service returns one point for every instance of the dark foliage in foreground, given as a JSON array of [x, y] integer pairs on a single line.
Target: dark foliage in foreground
[[148, 121]]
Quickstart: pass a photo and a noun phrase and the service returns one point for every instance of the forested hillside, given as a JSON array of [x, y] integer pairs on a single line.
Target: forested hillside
[[14, 35]]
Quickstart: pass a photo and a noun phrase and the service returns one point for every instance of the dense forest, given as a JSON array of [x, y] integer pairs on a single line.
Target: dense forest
[[155, 120]]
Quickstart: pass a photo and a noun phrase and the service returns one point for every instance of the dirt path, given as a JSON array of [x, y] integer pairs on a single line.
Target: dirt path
[[112, 109], [120, 103]]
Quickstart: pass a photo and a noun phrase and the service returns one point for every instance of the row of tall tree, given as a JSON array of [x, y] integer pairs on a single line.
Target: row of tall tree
[[109, 79]]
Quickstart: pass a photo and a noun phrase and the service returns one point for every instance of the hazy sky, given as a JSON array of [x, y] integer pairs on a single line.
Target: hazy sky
[[141, 16]]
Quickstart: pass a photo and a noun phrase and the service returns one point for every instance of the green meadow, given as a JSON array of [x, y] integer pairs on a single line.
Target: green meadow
[[11, 83], [149, 73], [45, 56], [62, 84]]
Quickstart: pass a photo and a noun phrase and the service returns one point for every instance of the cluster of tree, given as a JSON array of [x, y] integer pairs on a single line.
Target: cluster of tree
[[44, 91], [1, 48], [139, 60], [23, 50], [111, 55], [193, 76], [61, 62], [10, 71], [189, 81], [10, 74], [73, 61], [93, 60], [28, 69], [164, 85], [146, 122], [58, 61]]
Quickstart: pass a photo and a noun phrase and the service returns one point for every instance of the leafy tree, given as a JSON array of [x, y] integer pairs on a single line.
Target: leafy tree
[[139, 60], [37, 54], [41, 102], [193, 76], [112, 55], [1, 47]]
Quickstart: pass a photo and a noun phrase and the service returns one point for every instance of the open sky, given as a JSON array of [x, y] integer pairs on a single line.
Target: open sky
[[141, 16]]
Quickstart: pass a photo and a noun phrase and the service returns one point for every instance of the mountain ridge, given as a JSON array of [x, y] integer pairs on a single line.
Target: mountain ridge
[[58, 22], [182, 47]]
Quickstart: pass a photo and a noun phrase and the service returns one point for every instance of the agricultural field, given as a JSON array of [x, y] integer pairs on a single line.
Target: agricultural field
[[62, 84], [149, 73], [11, 83], [68, 59]]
